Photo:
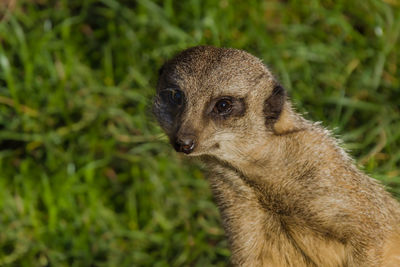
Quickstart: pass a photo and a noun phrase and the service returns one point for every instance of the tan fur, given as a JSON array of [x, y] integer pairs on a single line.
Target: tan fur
[[391, 250], [289, 195]]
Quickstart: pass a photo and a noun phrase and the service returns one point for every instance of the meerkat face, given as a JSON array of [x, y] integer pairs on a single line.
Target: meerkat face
[[216, 101]]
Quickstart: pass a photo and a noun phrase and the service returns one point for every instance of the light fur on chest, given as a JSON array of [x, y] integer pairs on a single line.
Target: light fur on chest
[[260, 237]]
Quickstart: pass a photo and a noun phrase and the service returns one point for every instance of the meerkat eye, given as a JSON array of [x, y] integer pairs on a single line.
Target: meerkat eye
[[173, 96], [176, 97], [223, 107]]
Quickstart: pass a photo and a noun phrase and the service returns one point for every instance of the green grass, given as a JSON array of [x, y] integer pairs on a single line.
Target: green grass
[[86, 176]]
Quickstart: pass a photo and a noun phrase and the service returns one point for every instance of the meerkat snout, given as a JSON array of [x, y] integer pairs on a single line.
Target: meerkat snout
[[185, 143], [288, 194]]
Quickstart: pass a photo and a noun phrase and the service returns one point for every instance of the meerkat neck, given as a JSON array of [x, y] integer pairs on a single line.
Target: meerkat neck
[[286, 154]]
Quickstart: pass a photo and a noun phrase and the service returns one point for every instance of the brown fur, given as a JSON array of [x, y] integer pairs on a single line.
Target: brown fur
[[288, 194]]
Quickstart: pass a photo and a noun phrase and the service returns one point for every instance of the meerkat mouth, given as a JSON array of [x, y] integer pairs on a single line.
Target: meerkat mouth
[[188, 148]]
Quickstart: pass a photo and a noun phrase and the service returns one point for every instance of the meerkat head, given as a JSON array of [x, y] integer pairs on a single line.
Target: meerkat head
[[213, 101]]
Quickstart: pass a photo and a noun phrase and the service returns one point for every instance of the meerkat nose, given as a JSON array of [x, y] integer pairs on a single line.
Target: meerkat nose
[[185, 144]]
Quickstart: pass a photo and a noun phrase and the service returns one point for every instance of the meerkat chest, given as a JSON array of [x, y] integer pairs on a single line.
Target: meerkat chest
[[260, 237]]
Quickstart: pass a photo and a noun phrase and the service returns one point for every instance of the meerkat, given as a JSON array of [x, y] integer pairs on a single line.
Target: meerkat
[[288, 194]]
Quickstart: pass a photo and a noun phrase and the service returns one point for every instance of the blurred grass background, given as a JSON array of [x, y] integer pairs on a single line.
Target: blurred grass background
[[86, 177]]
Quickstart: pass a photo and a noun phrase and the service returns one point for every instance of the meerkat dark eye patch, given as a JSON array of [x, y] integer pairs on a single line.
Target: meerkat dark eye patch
[[161, 70], [273, 105], [225, 107], [173, 96]]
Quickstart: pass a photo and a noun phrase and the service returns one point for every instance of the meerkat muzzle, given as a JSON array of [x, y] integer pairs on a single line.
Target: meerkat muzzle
[[185, 144]]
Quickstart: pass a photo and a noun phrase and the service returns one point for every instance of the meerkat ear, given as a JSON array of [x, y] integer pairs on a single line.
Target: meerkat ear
[[277, 112], [273, 105]]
